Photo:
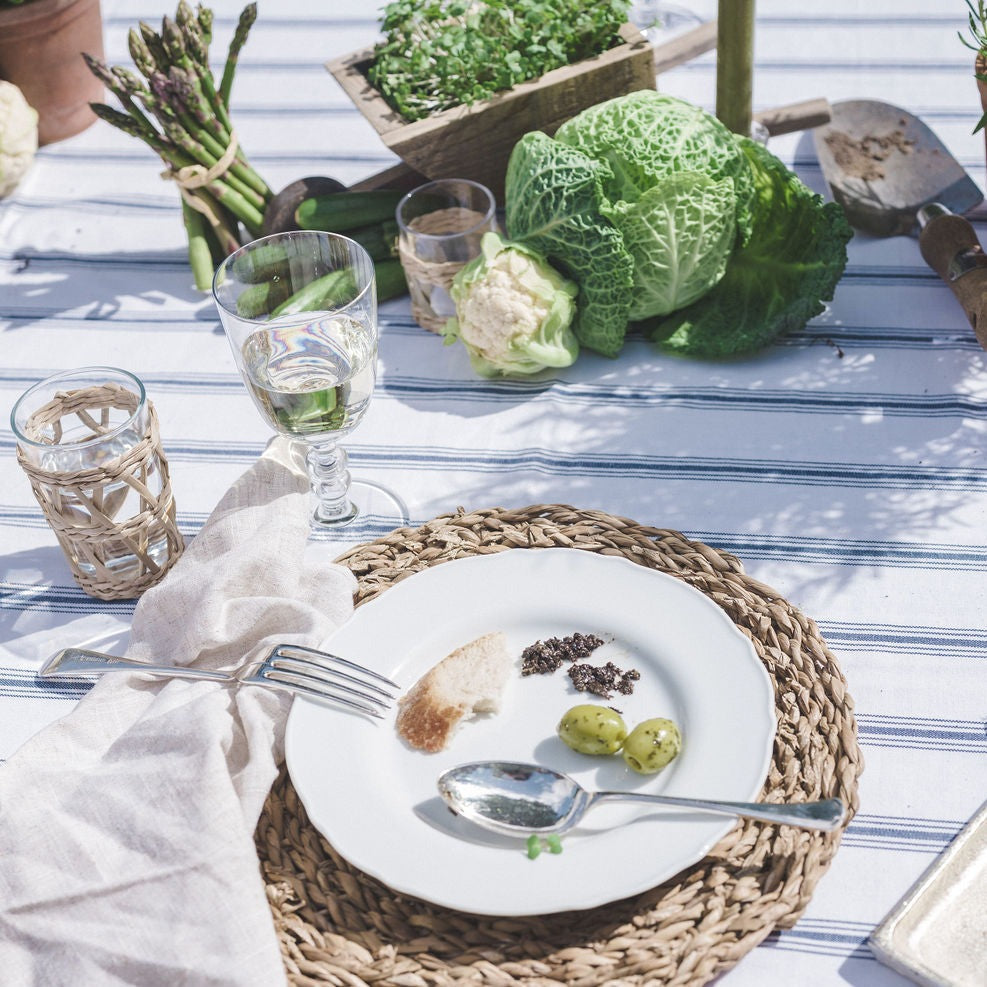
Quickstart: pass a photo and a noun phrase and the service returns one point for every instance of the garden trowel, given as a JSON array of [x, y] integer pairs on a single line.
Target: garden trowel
[[894, 177]]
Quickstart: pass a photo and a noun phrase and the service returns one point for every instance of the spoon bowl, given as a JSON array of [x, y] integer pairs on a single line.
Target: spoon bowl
[[520, 799]]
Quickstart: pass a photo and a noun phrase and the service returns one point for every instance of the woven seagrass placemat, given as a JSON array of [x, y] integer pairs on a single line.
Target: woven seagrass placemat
[[339, 926]]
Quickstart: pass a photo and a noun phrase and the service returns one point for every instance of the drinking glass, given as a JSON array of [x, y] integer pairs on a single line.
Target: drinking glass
[[88, 441], [300, 312], [440, 226], [659, 21]]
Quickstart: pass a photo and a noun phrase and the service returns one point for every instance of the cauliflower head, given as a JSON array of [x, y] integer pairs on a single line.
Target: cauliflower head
[[513, 311], [18, 136]]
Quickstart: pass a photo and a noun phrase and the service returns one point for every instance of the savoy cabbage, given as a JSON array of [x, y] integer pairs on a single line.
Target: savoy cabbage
[[658, 212]]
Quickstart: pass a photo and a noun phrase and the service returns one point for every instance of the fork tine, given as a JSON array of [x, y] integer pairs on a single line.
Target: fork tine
[[323, 680], [305, 666], [325, 659], [298, 683]]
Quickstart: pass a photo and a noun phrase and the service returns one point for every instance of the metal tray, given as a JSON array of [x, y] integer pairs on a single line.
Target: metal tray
[[937, 934]]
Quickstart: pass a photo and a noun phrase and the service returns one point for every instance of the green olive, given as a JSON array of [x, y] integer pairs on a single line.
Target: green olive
[[592, 729], [652, 745]]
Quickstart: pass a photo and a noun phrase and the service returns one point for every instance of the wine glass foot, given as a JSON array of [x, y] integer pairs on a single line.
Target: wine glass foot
[[369, 504]]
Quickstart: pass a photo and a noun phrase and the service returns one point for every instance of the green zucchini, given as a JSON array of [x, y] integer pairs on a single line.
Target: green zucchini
[[379, 239], [261, 263], [391, 282], [334, 288], [256, 300], [338, 287], [339, 212]]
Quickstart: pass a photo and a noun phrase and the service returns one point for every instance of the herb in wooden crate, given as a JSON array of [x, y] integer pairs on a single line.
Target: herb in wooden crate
[[446, 53]]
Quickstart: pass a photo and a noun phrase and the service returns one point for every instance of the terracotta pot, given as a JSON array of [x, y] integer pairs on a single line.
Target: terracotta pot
[[41, 46]]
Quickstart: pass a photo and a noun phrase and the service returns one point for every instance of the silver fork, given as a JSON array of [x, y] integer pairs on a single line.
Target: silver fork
[[287, 666]]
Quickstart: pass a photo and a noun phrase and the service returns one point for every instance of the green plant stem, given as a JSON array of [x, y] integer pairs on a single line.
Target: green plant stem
[[177, 111], [198, 119], [735, 64], [245, 23], [200, 248], [185, 134], [224, 228], [208, 149], [198, 84]]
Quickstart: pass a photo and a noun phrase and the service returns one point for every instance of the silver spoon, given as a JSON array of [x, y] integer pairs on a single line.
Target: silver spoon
[[521, 799]]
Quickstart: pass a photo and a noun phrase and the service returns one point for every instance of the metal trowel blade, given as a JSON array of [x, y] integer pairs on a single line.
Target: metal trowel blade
[[883, 164]]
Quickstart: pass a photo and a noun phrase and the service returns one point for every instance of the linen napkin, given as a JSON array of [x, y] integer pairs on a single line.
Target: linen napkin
[[126, 828]]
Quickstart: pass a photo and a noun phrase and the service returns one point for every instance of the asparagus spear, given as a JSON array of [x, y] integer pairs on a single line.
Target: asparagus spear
[[200, 246], [246, 22], [181, 115]]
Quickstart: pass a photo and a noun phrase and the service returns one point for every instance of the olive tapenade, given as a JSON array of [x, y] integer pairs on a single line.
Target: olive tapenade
[[545, 657], [603, 681]]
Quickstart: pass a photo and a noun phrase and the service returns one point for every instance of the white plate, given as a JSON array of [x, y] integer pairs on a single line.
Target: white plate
[[375, 799]]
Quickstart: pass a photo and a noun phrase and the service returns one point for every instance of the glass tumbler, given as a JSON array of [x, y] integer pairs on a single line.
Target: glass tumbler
[[440, 226], [88, 441]]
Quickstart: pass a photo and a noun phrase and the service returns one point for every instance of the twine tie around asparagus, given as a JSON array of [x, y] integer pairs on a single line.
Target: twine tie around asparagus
[[197, 176]]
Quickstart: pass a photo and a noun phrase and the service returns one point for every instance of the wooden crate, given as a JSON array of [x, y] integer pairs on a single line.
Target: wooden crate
[[476, 141]]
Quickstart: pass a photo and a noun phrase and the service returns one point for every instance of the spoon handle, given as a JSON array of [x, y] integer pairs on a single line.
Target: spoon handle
[[826, 815]]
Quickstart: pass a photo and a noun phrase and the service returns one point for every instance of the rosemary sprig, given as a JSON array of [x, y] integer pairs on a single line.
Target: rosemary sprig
[[977, 26]]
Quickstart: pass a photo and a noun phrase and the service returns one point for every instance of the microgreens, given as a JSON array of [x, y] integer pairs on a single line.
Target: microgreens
[[445, 53]]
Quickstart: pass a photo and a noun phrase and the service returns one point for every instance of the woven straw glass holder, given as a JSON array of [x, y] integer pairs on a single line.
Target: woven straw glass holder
[[440, 227], [88, 441], [339, 926]]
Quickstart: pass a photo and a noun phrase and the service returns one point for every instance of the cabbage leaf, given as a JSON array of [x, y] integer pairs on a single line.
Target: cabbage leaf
[[680, 234], [554, 205], [645, 136], [780, 280]]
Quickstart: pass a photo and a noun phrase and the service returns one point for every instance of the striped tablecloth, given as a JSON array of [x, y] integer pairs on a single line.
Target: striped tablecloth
[[845, 466]]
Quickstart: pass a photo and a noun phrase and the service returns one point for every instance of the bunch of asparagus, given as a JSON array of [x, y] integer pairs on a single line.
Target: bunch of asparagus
[[179, 111]]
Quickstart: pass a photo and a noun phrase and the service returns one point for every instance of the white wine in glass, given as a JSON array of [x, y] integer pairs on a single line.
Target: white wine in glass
[[300, 312]]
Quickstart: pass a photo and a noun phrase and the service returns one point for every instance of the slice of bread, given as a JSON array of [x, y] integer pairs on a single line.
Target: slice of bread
[[469, 680]]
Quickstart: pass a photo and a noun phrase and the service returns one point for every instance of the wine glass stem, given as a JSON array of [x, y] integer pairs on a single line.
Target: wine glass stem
[[330, 482]]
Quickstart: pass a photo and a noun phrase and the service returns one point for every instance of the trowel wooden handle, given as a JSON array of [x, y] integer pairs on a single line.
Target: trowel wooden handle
[[950, 247], [795, 116]]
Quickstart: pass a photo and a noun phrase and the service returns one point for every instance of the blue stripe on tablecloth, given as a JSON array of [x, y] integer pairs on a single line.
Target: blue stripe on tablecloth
[[21, 685], [565, 392], [845, 336], [954, 642], [848, 551], [922, 733], [824, 551], [658, 468], [901, 833], [959, 643], [820, 936], [538, 459]]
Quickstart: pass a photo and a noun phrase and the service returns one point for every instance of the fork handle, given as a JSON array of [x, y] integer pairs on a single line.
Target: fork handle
[[73, 662]]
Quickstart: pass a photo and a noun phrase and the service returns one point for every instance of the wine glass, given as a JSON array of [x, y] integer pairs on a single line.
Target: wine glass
[[300, 312], [659, 21]]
